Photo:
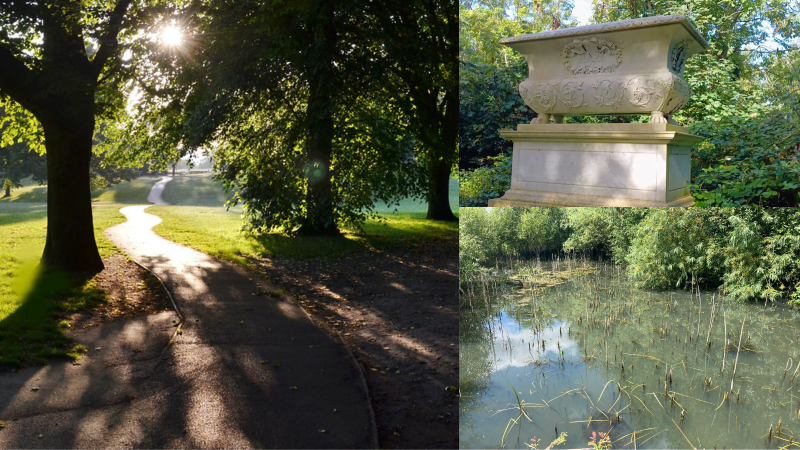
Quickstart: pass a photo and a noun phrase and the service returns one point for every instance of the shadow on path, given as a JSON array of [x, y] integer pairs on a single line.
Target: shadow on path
[[247, 368]]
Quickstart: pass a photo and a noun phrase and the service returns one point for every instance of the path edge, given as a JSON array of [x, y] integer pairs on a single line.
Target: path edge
[[363, 376]]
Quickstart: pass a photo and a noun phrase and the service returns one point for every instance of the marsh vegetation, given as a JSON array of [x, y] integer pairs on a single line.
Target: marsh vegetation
[[658, 328], [540, 356]]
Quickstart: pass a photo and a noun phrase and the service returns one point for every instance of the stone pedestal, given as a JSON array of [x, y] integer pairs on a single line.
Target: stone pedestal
[[629, 164]]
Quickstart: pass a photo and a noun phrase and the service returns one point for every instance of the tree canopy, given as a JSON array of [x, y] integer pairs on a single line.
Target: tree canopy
[[313, 110]]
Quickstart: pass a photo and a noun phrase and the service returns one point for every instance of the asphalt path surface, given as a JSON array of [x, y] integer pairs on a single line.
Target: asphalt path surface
[[242, 367]]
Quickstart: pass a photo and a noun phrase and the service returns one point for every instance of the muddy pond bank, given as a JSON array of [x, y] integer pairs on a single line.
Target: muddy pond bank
[[590, 352]]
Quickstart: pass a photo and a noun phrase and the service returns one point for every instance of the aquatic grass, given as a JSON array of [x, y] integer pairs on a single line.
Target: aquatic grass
[[519, 403], [673, 420], [598, 317], [503, 440], [737, 352]]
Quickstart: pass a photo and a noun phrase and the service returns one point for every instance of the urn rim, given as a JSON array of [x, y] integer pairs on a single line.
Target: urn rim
[[608, 27]]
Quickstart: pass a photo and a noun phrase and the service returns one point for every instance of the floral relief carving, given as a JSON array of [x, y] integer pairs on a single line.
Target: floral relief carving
[[592, 55], [679, 93], [643, 89], [571, 94], [677, 56], [542, 97], [608, 93]]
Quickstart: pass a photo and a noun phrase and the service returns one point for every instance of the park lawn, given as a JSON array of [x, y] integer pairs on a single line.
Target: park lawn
[[200, 189], [31, 300], [194, 189], [194, 219], [129, 192]]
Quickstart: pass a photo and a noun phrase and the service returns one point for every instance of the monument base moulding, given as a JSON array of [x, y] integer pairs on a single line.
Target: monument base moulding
[[626, 164]]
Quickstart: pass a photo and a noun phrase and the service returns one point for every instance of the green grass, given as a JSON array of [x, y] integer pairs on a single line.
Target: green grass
[[213, 230], [196, 189], [30, 192], [412, 205], [128, 193], [31, 300], [217, 232]]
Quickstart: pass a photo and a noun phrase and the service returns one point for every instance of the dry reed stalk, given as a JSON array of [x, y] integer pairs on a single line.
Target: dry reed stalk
[[673, 421], [737, 353], [711, 321], [725, 348]]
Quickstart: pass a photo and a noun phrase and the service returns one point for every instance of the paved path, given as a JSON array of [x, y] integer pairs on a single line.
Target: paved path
[[154, 196], [247, 369]]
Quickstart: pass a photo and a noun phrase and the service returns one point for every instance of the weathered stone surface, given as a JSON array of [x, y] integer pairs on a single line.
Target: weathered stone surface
[[626, 67], [632, 164]]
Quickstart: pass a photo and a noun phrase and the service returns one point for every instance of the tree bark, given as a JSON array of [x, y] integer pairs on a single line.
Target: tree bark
[[70, 243], [320, 214], [439, 190], [443, 155]]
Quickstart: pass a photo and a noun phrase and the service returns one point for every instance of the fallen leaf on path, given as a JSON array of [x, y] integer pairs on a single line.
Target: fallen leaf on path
[[276, 364], [294, 388], [34, 389], [322, 431]]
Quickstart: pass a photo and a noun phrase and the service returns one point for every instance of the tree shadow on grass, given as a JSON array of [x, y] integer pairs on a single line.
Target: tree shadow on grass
[[400, 232], [36, 194], [31, 334], [11, 213]]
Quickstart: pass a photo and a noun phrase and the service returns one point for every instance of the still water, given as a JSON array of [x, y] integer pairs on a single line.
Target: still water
[[596, 354]]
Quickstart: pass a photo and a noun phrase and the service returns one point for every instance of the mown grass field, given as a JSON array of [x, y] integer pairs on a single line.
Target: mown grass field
[[196, 218], [29, 328]]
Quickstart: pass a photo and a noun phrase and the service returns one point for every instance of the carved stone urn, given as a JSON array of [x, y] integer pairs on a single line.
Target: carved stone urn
[[626, 67]]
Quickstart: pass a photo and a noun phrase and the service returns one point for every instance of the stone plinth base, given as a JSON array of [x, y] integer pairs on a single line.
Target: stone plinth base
[[629, 164]]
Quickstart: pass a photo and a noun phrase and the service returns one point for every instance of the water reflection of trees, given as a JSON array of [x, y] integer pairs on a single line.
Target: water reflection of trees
[[650, 333]]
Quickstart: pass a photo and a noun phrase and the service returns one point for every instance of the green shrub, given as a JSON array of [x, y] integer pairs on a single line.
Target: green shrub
[[476, 187], [750, 159]]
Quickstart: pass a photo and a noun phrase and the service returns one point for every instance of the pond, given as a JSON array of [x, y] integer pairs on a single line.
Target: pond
[[591, 352]]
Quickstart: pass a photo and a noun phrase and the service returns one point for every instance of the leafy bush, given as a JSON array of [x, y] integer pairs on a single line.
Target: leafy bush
[[673, 247], [751, 159], [476, 187], [488, 102], [602, 231]]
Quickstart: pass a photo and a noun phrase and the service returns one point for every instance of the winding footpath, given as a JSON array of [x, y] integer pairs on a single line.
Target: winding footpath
[[245, 367]]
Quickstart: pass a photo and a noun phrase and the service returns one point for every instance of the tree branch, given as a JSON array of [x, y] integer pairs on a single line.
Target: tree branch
[[108, 43], [17, 80]]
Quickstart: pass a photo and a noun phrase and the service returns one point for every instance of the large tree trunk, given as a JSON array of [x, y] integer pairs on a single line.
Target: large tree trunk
[[443, 156], [8, 191], [439, 190], [70, 241], [320, 217]]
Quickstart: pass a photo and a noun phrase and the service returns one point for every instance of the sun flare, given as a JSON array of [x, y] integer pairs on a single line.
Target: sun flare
[[171, 36]]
